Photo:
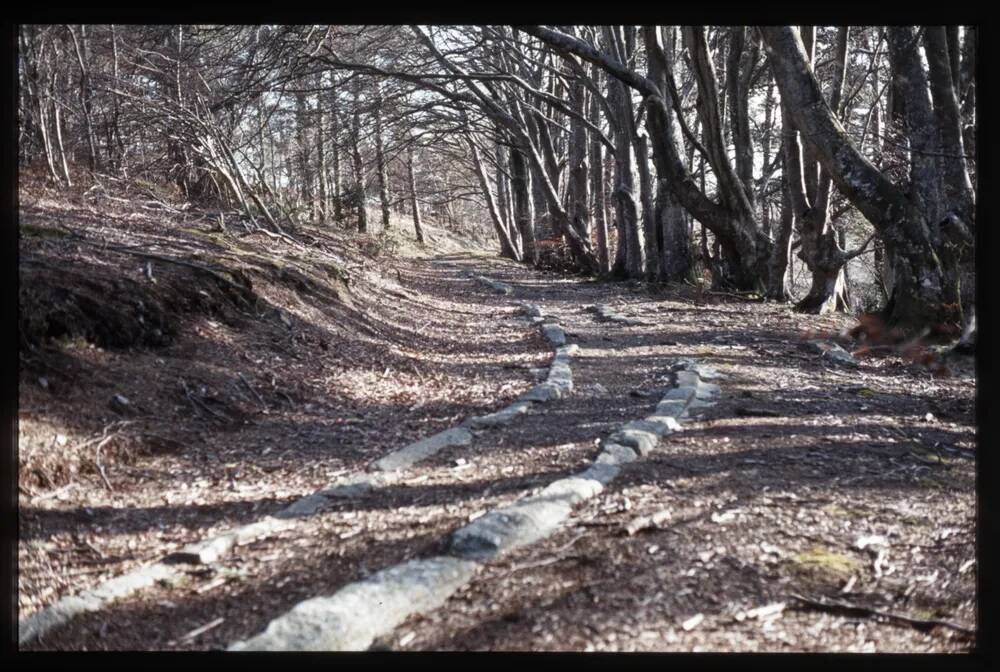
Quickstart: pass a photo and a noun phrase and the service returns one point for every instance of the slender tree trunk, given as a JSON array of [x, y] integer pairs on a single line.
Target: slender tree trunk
[[520, 180], [778, 276], [337, 190], [305, 163], [383, 177], [414, 203], [321, 155], [738, 70], [506, 245], [766, 149], [59, 140], [599, 207], [359, 173], [504, 204], [577, 194]]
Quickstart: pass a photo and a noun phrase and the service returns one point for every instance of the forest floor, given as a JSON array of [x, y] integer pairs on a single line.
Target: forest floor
[[283, 366]]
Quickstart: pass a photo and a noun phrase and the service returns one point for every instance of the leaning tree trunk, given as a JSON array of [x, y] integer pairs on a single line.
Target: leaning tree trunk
[[506, 245]]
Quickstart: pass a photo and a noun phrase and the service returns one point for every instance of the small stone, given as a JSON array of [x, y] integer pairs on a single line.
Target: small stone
[[120, 404], [554, 334], [44, 382], [865, 541], [692, 623]]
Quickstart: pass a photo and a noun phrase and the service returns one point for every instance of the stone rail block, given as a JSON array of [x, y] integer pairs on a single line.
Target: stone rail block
[[62, 611], [643, 442], [667, 422], [645, 425], [615, 453], [355, 485], [554, 334], [686, 378], [671, 407], [684, 394], [602, 472], [354, 616], [531, 310], [420, 450], [520, 523], [541, 393], [574, 489], [210, 550], [498, 287], [706, 391], [502, 417], [567, 350]]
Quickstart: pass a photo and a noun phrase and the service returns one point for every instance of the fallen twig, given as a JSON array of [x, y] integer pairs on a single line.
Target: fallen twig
[[249, 387], [757, 412], [198, 403], [97, 461], [54, 493], [202, 630], [554, 558], [836, 606]]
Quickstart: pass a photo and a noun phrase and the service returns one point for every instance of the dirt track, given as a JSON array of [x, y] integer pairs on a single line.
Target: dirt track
[[769, 493]]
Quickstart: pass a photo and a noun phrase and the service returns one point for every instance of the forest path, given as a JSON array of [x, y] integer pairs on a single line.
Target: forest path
[[767, 494]]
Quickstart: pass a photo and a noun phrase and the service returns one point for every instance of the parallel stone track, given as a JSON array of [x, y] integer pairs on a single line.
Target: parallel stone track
[[385, 471], [352, 618]]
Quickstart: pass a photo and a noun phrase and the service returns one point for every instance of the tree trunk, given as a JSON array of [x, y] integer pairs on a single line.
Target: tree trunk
[[778, 276], [506, 245], [359, 174], [414, 203], [820, 250], [577, 193], [922, 295], [304, 155], [380, 167], [740, 66], [599, 202], [520, 182]]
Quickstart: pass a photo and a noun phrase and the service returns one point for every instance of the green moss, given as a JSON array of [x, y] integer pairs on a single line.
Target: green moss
[[835, 510], [823, 562], [36, 231]]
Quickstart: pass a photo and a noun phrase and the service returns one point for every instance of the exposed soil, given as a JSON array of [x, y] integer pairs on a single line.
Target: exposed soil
[[242, 406], [807, 478]]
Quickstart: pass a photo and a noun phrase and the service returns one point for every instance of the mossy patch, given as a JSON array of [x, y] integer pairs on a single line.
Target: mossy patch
[[824, 564], [835, 510]]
